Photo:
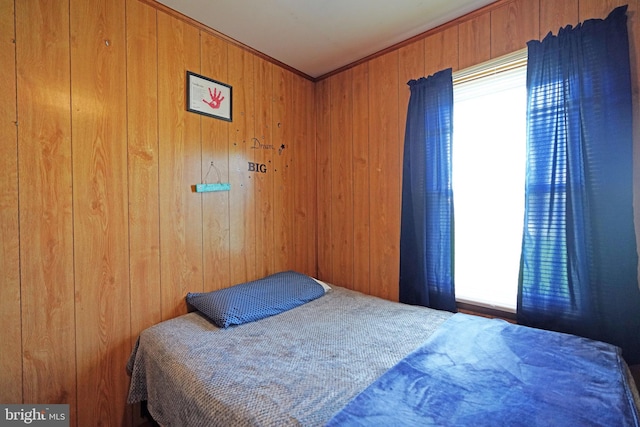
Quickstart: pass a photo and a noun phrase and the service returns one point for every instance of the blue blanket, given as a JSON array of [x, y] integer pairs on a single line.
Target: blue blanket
[[482, 372]]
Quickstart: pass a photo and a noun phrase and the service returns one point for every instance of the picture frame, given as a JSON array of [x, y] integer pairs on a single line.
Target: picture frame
[[209, 97]]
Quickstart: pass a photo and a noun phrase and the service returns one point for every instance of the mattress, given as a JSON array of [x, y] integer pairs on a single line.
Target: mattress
[[301, 367]]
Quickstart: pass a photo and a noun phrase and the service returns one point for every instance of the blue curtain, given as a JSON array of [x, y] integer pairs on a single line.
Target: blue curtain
[[426, 237], [579, 257]]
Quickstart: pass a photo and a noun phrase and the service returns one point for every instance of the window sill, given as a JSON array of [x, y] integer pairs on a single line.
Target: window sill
[[492, 313]]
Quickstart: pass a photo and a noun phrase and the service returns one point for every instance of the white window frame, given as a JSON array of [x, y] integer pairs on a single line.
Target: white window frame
[[468, 80]]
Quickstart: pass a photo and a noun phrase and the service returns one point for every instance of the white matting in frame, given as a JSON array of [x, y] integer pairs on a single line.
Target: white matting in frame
[[208, 97]]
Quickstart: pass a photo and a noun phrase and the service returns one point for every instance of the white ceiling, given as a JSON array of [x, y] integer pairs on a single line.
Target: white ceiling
[[316, 37]]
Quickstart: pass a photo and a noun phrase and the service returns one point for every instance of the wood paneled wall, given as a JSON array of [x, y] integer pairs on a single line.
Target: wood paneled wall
[[11, 331], [361, 114], [102, 232]]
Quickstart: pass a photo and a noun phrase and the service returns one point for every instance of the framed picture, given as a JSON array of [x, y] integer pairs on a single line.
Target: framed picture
[[208, 97]]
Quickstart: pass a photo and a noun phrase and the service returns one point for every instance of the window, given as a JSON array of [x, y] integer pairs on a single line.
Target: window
[[488, 172]]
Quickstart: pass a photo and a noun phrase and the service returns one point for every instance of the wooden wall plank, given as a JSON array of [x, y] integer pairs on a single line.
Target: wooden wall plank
[[283, 137], [101, 263], [601, 8], [323, 192], [474, 46], [142, 131], [441, 51], [242, 204], [555, 14], [262, 151], [143, 164], [310, 192], [304, 254], [342, 191], [11, 355], [361, 166], [411, 67], [385, 172], [46, 223], [215, 167], [179, 151], [513, 25]]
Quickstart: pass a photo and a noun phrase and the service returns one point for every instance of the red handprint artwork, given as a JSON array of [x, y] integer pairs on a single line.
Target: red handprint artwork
[[216, 99]]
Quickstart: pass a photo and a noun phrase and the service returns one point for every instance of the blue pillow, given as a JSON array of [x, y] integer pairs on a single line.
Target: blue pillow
[[256, 300]]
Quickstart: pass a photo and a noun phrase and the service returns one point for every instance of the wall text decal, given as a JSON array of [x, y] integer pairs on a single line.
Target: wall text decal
[[258, 145], [257, 167]]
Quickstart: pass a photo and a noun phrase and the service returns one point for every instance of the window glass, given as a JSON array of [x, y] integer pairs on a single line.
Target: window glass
[[488, 168]]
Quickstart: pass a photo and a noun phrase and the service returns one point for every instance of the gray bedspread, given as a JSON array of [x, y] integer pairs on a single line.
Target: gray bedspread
[[296, 368]]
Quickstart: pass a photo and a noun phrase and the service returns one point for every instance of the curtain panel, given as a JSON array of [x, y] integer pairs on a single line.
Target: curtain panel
[[579, 257], [426, 237]]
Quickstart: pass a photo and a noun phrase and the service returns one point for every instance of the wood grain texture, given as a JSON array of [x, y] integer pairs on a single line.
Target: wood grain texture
[[385, 173], [46, 223], [283, 175], [100, 211], [555, 14], [11, 355], [262, 151], [312, 202], [113, 236], [215, 166], [441, 51], [229, 40], [513, 25], [342, 191], [323, 191], [361, 183], [143, 167], [242, 202], [474, 41], [304, 232], [600, 9], [180, 166], [411, 67]]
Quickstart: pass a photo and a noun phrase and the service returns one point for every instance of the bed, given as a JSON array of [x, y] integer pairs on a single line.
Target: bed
[[339, 357]]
